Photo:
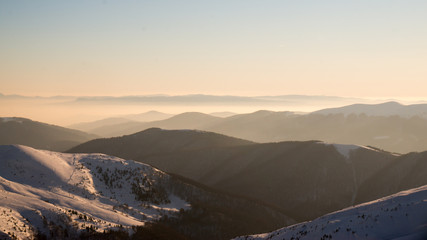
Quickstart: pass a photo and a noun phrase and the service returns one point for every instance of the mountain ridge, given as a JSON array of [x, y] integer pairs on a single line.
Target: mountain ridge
[[382, 109], [257, 170], [67, 195], [24, 131], [395, 132]]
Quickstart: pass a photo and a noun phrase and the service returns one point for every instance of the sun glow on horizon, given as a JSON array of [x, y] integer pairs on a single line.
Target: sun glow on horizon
[[249, 48]]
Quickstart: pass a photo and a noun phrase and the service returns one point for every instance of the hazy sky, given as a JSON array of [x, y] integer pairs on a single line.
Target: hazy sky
[[366, 48]]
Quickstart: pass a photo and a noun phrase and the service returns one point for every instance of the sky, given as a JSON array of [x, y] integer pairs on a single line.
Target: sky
[[364, 48]]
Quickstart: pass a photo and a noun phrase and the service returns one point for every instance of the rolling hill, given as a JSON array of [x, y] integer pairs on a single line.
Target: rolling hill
[[40, 135], [91, 126], [148, 116], [382, 109], [98, 127], [391, 133], [189, 120]]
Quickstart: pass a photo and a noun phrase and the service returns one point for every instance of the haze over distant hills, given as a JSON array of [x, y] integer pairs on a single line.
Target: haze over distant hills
[[40, 135], [202, 98], [77, 109], [305, 179], [383, 109], [391, 133], [148, 116], [189, 120], [124, 120], [92, 126], [222, 114], [390, 126]]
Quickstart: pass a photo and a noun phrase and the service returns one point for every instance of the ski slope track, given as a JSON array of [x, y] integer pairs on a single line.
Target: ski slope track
[[42, 191], [402, 216]]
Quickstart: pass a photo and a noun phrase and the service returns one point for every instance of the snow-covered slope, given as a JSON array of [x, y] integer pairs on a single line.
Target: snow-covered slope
[[346, 149], [399, 216], [70, 196], [42, 190]]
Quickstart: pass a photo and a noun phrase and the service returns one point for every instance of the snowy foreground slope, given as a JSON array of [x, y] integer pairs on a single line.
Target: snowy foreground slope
[[43, 191], [402, 216]]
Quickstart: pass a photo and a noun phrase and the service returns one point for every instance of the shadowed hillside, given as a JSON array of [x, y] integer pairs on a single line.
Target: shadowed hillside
[[85, 196], [305, 179], [399, 216], [405, 172], [40, 135]]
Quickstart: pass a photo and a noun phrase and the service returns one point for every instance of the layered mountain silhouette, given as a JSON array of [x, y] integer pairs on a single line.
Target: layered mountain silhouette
[[304, 179], [92, 196], [383, 109], [92, 126], [391, 133], [100, 126], [40, 135], [389, 126], [189, 120], [148, 116]]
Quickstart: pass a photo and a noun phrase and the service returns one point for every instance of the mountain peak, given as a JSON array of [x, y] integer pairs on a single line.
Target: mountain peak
[[391, 103], [193, 114]]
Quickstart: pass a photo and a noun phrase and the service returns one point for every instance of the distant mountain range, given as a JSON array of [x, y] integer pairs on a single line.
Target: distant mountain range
[[383, 109], [202, 98], [101, 125], [304, 179], [77, 109], [148, 116], [96, 196], [399, 216], [40, 135], [391, 133], [389, 126], [189, 120], [93, 126]]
